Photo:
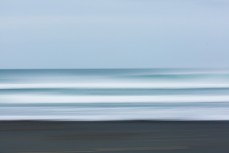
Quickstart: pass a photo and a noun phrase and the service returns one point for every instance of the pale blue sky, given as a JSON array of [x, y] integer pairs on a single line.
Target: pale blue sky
[[114, 33]]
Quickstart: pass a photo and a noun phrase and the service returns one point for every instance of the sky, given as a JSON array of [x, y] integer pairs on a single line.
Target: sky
[[114, 33]]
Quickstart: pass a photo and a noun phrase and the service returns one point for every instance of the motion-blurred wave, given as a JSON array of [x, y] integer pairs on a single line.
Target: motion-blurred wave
[[114, 94]]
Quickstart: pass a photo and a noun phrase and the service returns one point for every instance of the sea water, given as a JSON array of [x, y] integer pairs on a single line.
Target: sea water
[[114, 94]]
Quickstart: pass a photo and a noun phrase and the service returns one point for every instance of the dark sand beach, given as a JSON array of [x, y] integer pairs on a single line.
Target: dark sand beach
[[114, 137]]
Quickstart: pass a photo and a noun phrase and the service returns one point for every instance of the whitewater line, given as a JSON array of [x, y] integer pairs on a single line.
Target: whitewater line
[[116, 85], [40, 98]]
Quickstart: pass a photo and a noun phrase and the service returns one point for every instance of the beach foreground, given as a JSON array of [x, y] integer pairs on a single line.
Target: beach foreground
[[114, 137]]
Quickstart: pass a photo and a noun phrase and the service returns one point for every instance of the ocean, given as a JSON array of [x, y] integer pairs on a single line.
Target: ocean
[[114, 94]]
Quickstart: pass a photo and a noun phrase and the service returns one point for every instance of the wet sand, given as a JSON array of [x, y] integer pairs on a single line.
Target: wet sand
[[114, 137]]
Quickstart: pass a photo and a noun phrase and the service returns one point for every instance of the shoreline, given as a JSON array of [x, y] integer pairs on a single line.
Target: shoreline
[[114, 136]]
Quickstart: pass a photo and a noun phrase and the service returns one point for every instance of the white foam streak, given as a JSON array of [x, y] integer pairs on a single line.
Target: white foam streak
[[36, 98], [117, 85]]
